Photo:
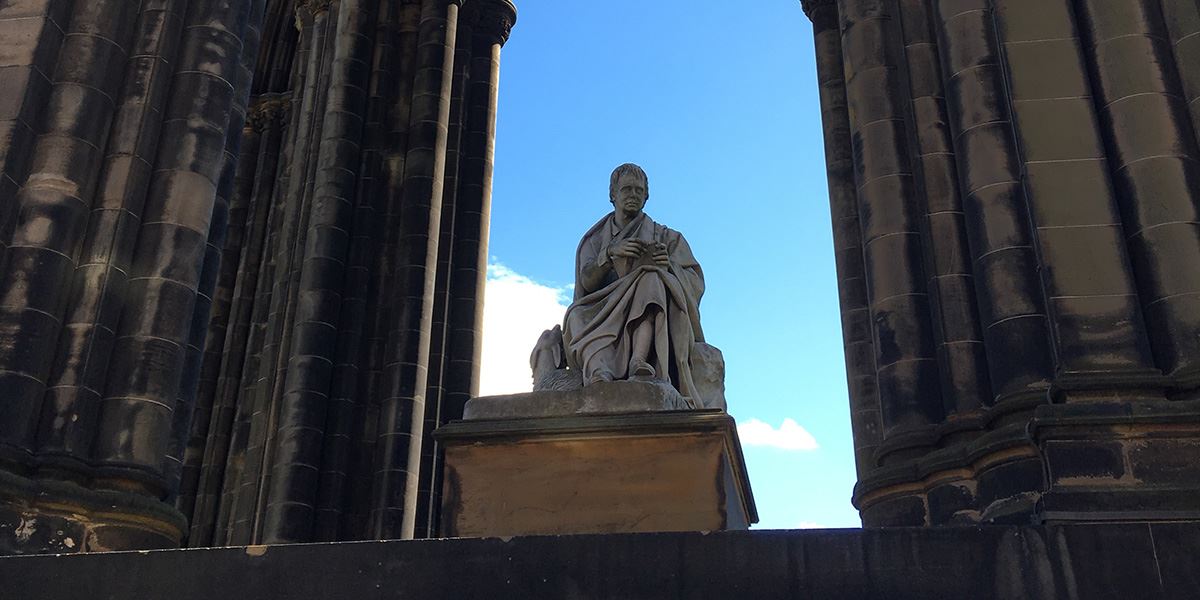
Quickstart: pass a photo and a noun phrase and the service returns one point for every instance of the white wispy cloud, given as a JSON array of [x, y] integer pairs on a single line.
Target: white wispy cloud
[[789, 436], [809, 525], [516, 310]]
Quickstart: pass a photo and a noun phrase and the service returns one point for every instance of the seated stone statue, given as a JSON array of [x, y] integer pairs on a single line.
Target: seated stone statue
[[636, 312]]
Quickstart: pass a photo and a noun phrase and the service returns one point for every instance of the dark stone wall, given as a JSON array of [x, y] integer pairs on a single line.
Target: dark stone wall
[[1092, 562], [242, 247], [1014, 191]]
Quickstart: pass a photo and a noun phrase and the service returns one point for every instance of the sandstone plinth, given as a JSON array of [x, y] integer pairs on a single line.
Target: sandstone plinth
[[616, 473]]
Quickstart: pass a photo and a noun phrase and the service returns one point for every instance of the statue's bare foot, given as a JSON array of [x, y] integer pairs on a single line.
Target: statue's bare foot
[[640, 368], [601, 376]]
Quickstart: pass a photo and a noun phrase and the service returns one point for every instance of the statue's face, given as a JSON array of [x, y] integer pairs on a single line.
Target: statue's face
[[631, 194]]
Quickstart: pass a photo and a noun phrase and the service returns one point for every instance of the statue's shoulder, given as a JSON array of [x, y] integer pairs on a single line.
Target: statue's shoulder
[[596, 228], [664, 233], [590, 237]]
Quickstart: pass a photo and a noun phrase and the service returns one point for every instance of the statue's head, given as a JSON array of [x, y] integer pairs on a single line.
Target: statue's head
[[628, 188]]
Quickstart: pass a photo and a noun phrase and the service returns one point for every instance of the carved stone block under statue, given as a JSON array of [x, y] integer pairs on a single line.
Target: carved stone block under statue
[[626, 428]]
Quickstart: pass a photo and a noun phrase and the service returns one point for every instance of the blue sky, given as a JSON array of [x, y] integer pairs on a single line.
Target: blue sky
[[718, 103]]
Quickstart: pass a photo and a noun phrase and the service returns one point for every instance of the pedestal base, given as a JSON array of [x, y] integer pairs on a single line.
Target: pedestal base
[[664, 471], [57, 517], [1082, 460]]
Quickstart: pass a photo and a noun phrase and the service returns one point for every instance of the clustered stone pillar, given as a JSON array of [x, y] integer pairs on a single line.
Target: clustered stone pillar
[[1039, 159], [405, 378], [105, 271], [222, 231], [847, 237], [889, 221], [327, 439], [463, 345]]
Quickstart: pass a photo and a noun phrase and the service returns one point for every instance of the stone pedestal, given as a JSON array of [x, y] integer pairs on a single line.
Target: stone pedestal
[[595, 473]]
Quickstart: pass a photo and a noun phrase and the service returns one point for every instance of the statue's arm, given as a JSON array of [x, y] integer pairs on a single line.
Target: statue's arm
[[594, 269]]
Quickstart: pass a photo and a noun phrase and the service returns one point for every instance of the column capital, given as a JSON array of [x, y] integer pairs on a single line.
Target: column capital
[[496, 20], [267, 110], [307, 9], [811, 5]]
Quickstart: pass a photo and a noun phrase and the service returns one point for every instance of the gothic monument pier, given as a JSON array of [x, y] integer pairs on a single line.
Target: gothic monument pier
[[243, 245]]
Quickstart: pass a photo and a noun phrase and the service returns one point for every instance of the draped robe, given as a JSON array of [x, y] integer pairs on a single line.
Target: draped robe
[[598, 327]]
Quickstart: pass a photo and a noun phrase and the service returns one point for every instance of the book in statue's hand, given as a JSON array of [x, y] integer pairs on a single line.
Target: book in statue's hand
[[647, 254]]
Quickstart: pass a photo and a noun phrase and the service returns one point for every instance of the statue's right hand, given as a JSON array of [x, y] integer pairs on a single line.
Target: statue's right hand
[[626, 249]]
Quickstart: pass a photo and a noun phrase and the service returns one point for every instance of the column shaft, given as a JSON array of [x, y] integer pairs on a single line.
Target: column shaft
[[962, 356], [244, 456], [51, 209], [1004, 262], [469, 275], [857, 340], [1091, 296], [291, 500], [1183, 23], [148, 357], [242, 331], [402, 412], [381, 304], [217, 279], [33, 32], [214, 344], [236, 517], [346, 395], [439, 345], [890, 223], [1155, 165], [99, 283], [268, 423]]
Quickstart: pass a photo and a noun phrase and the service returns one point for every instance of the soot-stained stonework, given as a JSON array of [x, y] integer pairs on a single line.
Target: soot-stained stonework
[[242, 247], [1069, 562], [1015, 193]]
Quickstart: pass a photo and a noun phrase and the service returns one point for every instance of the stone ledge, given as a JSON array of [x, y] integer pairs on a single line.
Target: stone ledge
[[981, 563], [613, 397]]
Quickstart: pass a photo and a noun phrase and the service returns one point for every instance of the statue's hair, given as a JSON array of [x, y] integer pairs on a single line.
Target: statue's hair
[[626, 169]]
